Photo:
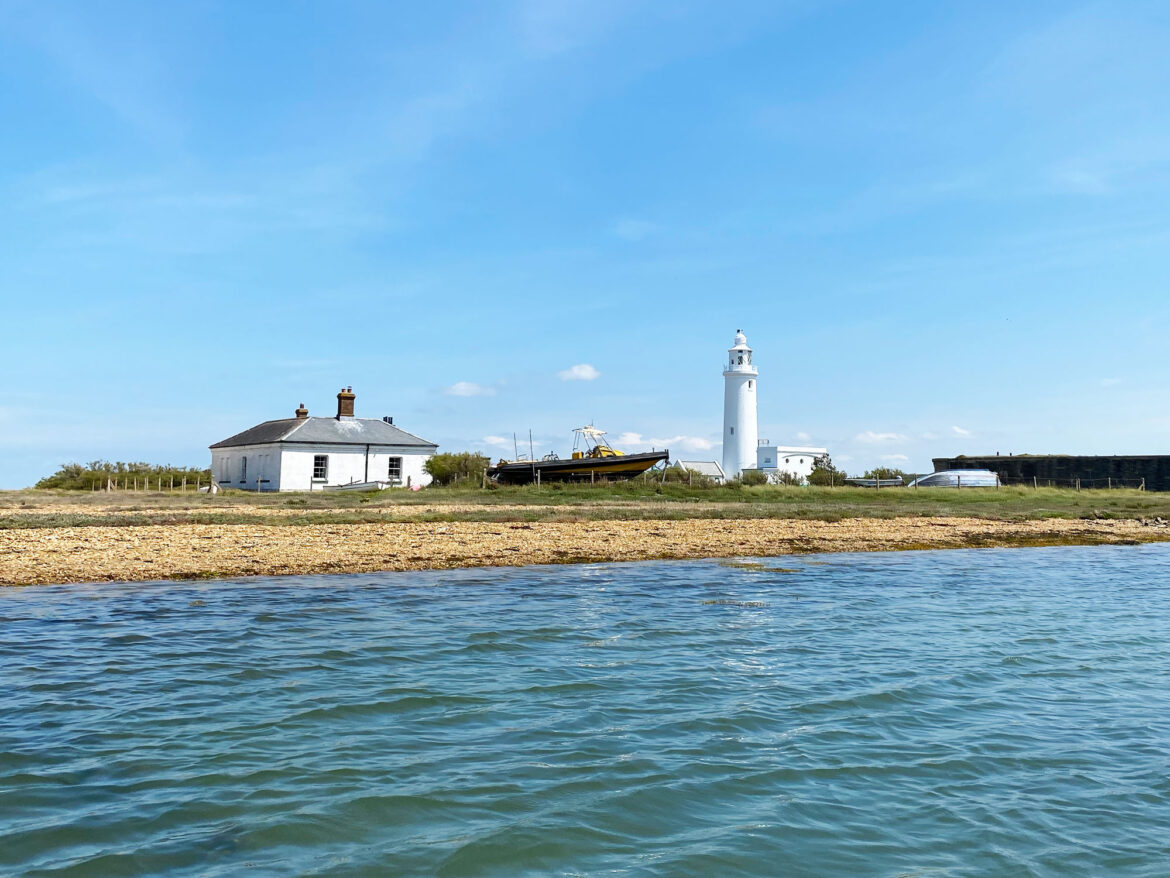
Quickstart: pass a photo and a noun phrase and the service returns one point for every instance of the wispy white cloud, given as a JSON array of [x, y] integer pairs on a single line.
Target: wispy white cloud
[[1110, 382], [580, 372], [675, 443], [959, 431], [547, 29], [469, 388], [895, 458], [802, 436], [497, 441], [871, 437], [629, 229], [128, 80]]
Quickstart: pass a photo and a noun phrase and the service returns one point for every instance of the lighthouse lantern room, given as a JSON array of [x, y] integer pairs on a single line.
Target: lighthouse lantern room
[[740, 430]]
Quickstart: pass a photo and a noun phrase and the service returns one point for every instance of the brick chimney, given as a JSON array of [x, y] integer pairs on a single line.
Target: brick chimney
[[302, 412], [345, 403]]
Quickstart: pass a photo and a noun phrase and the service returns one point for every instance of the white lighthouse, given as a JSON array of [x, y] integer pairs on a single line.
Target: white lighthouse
[[740, 429]]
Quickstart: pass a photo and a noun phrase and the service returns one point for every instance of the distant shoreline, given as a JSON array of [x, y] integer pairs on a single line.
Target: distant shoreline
[[97, 553]]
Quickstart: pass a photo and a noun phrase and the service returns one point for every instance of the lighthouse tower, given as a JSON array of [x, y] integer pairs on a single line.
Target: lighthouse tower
[[739, 409]]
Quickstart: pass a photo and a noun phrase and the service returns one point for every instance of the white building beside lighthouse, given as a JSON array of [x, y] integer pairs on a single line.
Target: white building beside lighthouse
[[740, 430]]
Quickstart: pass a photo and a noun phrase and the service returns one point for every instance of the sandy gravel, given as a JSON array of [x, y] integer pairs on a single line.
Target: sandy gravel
[[90, 554]]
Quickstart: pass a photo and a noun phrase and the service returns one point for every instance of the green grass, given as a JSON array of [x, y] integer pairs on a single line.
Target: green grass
[[628, 500]]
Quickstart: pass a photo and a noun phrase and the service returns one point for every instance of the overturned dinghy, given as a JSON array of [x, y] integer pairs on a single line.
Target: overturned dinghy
[[593, 458], [958, 478], [361, 486]]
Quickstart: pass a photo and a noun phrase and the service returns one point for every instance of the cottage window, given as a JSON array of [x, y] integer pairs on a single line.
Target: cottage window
[[394, 471], [243, 469], [320, 466]]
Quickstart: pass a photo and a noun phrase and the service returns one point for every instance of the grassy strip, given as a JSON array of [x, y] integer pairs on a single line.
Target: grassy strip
[[621, 501]]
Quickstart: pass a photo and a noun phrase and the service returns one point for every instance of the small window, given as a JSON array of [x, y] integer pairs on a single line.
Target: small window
[[741, 359], [787, 460], [732, 430], [802, 460], [394, 470], [244, 468], [750, 383], [321, 466]]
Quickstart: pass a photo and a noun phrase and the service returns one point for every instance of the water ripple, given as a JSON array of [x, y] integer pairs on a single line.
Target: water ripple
[[936, 713]]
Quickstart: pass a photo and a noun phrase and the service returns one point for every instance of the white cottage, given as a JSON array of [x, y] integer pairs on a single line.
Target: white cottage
[[310, 454]]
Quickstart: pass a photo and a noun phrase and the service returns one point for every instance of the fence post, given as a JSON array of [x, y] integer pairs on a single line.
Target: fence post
[[1143, 485], [1035, 484], [1078, 484], [958, 481], [1109, 484]]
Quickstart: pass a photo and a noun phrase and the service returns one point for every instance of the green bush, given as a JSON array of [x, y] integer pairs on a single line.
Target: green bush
[[825, 474], [783, 477], [886, 472], [689, 477], [462, 466], [752, 477], [87, 476]]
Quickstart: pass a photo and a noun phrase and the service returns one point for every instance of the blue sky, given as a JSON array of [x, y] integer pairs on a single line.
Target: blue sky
[[943, 226]]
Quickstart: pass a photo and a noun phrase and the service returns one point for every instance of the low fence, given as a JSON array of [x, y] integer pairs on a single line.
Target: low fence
[[144, 483], [1103, 484]]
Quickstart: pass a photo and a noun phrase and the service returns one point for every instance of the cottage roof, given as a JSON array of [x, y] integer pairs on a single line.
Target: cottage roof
[[325, 431]]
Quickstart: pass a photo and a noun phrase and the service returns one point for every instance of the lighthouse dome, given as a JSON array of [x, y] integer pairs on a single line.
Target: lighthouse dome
[[740, 338]]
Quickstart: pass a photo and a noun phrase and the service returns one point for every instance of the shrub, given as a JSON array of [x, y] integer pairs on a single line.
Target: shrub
[[824, 473], [462, 466], [751, 477], [691, 478], [783, 477], [84, 477], [886, 472]]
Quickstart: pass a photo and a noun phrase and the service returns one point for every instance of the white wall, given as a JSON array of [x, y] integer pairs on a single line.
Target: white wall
[[347, 463], [795, 459], [290, 468], [263, 463]]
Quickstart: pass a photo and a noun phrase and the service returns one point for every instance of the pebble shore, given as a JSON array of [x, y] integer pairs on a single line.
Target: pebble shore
[[47, 555]]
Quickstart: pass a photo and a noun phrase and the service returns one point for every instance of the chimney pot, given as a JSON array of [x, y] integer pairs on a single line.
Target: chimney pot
[[345, 403], [302, 412]]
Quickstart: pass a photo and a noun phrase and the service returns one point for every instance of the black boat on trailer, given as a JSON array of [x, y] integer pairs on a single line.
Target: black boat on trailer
[[596, 460]]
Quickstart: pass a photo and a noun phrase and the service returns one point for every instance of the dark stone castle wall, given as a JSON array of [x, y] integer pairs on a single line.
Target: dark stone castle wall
[[1127, 469]]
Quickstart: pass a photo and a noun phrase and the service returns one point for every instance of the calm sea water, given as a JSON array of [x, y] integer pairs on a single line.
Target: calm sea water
[[916, 714]]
